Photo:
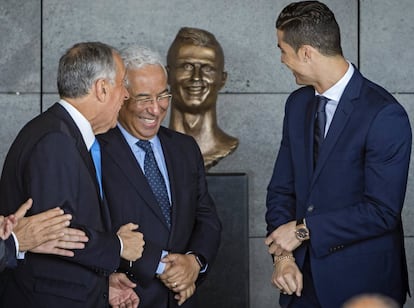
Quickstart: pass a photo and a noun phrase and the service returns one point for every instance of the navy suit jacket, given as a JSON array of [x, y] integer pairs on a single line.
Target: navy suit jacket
[[7, 255], [352, 200], [49, 162], [195, 224]]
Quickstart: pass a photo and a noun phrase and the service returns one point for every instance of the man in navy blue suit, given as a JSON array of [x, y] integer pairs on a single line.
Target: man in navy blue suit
[[52, 162], [335, 198], [181, 238]]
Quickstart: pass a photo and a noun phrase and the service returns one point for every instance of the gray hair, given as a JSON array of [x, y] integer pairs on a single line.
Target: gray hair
[[136, 57], [82, 65]]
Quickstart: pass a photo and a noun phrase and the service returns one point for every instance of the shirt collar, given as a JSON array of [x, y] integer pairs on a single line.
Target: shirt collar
[[132, 140], [335, 92], [81, 122]]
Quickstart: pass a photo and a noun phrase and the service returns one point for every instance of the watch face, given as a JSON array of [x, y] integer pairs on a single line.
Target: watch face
[[302, 233]]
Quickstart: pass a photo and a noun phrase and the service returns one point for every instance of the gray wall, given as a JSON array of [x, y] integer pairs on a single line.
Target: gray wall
[[377, 37]]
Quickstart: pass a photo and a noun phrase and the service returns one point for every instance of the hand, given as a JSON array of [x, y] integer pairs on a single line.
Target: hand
[[181, 271], [133, 242], [121, 291], [283, 239], [6, 226], [287, 277], [182, 296], [8, 223], [72, 239], [37, 229]]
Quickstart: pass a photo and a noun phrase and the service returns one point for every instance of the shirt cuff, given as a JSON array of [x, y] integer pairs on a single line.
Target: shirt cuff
[[19, 254], [122, 245], [161, 265]]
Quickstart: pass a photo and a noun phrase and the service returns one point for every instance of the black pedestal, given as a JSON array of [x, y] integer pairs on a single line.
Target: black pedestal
[[227, 285]]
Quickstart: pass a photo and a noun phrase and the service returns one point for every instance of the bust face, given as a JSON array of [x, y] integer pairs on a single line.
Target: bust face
[[195, 77]]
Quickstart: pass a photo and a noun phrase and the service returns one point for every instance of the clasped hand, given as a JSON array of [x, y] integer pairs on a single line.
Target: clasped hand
[[283, 239], [180, 274]]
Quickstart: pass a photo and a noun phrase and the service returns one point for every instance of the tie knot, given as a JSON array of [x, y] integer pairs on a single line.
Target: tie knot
[[145, 145], [322, 100], [95, 146]]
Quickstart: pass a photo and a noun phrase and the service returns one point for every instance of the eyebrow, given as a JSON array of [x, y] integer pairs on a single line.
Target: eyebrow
[[140, 95]]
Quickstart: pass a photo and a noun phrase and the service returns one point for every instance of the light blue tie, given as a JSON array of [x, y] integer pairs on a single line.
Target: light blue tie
[[96, 157], [156, 180]]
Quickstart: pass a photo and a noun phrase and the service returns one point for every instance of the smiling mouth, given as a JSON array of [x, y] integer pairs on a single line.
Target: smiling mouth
[[148, 121], [195, 90]]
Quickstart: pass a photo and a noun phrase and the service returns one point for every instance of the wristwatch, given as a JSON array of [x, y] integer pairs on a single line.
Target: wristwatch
[[200, 260], [302, 232]]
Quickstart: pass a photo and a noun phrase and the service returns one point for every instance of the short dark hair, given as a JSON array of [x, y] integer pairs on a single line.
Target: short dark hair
[[310, 23], [82, 65], [198, 37]]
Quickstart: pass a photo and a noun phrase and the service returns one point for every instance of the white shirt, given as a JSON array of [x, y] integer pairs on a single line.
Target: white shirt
[[334, 94]]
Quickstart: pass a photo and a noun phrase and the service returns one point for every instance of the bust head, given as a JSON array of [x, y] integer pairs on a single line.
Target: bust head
[[195, 63]]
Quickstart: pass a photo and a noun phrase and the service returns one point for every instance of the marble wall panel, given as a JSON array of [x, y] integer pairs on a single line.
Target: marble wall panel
[[246, 31], [20, 46], [386, 36], [16, 111]]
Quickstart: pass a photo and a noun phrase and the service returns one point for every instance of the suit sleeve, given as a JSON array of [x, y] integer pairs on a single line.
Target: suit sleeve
[[206, 235], [281, 197], [56, 175]]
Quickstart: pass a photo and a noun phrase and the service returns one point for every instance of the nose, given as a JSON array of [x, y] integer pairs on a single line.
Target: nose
[[154, 108], [197, 72]]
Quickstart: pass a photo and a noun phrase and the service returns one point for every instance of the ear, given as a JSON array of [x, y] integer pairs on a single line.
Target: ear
[[223, 79], [167, 68], [101, 86], [306, 53]]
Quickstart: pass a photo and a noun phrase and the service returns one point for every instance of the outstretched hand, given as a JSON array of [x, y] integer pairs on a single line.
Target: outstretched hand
[[121, 292]]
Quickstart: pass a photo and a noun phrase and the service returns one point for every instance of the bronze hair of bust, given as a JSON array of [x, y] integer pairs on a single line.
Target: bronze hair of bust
[[195, 64]]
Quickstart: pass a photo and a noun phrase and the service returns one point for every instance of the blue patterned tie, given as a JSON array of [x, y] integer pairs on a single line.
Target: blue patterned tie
[[156, 180], [320, 122], [96, 157]]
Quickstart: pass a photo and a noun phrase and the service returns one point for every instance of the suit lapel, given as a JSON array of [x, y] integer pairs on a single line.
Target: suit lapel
[[72, 130], [168, 149], [118, 150], [309, 128], [339, 121]]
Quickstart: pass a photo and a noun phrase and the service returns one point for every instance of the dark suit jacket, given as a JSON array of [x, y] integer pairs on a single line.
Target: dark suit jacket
[[49, 162], [353, 198], [195, 224]]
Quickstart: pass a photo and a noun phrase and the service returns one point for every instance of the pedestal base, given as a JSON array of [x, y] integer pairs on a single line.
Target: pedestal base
[[227, 284]]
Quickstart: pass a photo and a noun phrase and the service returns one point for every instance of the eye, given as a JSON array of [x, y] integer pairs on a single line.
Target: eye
[[188, 67], [207, 68]]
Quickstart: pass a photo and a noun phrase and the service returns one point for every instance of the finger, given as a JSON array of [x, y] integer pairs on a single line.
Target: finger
[[125, 281], [70, 245], [268, 241], [55, 231], [291, 287], [21, 212], [51, 217], [63, 252], [74, 237], [299, 282], [171, 257], [282, 285], [128, 227], [53, 222]]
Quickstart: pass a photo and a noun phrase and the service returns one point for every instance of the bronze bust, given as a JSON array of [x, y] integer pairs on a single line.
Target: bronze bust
[[195, 64]]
